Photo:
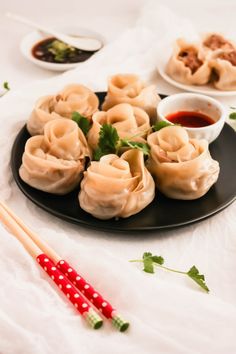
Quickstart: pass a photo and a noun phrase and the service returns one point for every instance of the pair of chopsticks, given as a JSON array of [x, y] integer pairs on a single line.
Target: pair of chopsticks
[[81, 294]]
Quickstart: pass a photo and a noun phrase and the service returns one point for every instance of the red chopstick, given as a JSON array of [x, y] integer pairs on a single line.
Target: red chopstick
[[68, 280], [63, 283]]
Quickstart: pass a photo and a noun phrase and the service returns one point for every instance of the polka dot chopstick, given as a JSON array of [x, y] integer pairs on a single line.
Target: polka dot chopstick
[[75, 280], [63, 283], [93, 296]]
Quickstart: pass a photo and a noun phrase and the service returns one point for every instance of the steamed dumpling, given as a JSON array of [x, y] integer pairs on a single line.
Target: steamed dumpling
[[42, 113], [187, 64], [128, 120], [65, 140], [116, 186], [215, 41], [73, 98], [54, 162], [224, 65], [128, 88], [76, 98], [182, 168]]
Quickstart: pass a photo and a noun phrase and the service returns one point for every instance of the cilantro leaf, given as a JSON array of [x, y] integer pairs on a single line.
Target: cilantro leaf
[[159, 125], [97, 154], [6, 86], [147, 254], [193, 273], [82, 122], [136, 145], [108, 140], [148, 262], [158, 259], [108, 137], [232, 115], [109, 143], [149, 259]]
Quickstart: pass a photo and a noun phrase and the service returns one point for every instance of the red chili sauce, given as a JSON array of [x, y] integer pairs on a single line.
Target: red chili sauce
[[190, 119]]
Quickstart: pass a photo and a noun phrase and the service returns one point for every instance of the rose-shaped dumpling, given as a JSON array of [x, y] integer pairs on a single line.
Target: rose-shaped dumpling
[[42, 113], [65, 140], [182, 168], [224, 65], [128, 120], [116, 186], [76, 98], [128, 88], [188, 65], [55, 162], [73, 98]]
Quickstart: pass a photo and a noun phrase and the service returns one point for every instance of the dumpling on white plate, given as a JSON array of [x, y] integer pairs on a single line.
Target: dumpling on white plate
[[182, 167], [128, 120], [223, 63], [54, 162], [214, 41], [129, 88], [73, 98], [117, 186], [187, 64]]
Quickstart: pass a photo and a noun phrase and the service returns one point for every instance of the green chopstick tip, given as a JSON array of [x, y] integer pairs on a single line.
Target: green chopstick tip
[[93, 319], [119, 323], [98, 324], [124, 327]]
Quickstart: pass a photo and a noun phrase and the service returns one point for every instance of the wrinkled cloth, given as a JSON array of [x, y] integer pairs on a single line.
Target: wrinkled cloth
[[168, 312]]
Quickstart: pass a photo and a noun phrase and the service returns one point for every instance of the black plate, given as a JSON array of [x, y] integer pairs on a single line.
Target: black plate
[[161, 213]]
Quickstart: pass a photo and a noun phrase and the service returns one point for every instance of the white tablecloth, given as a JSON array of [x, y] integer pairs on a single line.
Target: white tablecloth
[[168, 313]]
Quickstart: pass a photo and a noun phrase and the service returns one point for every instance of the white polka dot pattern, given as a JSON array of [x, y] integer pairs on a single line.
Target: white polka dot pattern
[[90, 293], [64, 284]]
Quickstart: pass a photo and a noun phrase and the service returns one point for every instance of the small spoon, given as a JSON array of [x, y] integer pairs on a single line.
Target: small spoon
[[84, 43]]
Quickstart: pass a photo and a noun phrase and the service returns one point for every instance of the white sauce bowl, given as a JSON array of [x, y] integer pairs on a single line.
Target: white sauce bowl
[[195, 103]]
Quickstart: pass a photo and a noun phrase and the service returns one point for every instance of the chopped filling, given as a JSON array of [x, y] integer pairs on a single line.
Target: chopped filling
[[214, 76], [229, 56], [216, 41], [190, 59]]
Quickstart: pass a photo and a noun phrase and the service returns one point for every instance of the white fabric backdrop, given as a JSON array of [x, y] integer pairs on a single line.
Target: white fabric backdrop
[[168, 313]]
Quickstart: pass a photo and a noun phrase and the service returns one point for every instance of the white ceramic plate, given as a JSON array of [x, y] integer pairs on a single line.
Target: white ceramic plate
[[34, 37], [204, 89]]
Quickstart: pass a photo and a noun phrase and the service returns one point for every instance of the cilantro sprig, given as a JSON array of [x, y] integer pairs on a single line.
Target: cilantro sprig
[[150, 262], [110, 143], [82, 122], [232, 115], [6, 86], [159, 125], [162, 124], [136, 145]]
